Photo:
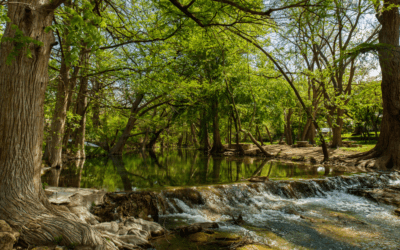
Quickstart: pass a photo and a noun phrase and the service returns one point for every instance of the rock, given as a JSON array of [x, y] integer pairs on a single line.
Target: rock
[[135, 240], [153, 228], [7, 236], [111, 227], [397, 212], [390, 196], [133, 204], [195, 228], [259, 179]]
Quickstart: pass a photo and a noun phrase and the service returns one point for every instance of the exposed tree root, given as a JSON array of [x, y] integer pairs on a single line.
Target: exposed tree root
[[41, 224], [377, 159]]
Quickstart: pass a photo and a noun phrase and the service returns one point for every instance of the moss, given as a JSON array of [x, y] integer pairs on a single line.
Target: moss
[[199, 237]]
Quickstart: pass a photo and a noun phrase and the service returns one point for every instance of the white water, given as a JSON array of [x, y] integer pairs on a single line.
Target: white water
[[270, 208]]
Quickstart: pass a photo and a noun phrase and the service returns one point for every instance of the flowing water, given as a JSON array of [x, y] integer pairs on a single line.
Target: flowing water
[[303, 207]]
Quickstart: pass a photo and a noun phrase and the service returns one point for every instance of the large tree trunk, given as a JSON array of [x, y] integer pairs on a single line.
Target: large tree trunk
[[217, 144], [23, 82], [387, 151]]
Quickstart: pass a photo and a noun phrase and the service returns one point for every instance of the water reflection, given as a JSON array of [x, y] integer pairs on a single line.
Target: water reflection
[[173, 168]]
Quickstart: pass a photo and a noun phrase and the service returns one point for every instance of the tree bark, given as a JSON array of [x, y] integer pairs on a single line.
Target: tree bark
[[387, 151], [23, 82], [81, 110], [337, 129], [204, 142], [217, 144], [194, 136], [289, 139], [119, 146], [54, 139], [269, 134]]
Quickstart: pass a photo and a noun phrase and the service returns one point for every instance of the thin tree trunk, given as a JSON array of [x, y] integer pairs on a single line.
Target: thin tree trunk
[[269, 134], [194, 136], [81, 110], [217, 144], [337, 129], [289, 139], [118, 148], [54, 140], [180, 140]]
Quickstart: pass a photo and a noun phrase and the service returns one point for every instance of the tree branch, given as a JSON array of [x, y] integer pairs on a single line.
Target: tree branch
[[51, 6]]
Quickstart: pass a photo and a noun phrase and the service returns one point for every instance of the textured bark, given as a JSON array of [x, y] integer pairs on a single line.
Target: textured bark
[[23, 203], [204, 142], [337, 129], [81, 108], [54, 140], [387, 151], [194, 136], [289, 139], [96, 104], [119, 146], [217, 144]]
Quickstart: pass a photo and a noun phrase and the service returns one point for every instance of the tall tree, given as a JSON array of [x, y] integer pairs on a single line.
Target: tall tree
[[386, 153], [23, 81]]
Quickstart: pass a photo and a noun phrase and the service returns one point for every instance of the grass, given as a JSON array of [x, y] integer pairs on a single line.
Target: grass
[[365, 148]]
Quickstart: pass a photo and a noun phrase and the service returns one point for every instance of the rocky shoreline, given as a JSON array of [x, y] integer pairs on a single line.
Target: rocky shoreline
[[133, 217]]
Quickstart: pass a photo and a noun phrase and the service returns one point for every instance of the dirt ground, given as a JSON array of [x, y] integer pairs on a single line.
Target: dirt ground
[[288, 152]]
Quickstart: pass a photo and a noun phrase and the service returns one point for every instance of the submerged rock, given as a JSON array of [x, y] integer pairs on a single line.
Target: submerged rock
[[196, 228], [390, 196]]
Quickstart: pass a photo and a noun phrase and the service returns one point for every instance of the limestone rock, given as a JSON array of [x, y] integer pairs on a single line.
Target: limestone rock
[[397, 212], [7, 236], [390, 196], [111, 227]]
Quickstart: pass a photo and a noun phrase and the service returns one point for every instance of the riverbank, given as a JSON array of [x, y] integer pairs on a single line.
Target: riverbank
[[351, 212]]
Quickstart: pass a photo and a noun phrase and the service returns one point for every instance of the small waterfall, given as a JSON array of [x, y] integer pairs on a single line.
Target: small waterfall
[[298, 211], [223, 201]]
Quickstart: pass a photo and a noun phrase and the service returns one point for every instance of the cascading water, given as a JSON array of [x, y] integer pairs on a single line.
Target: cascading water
[[301, 214]]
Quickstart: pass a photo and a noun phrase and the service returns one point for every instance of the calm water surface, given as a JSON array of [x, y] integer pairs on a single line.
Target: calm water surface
[[168, 168]]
